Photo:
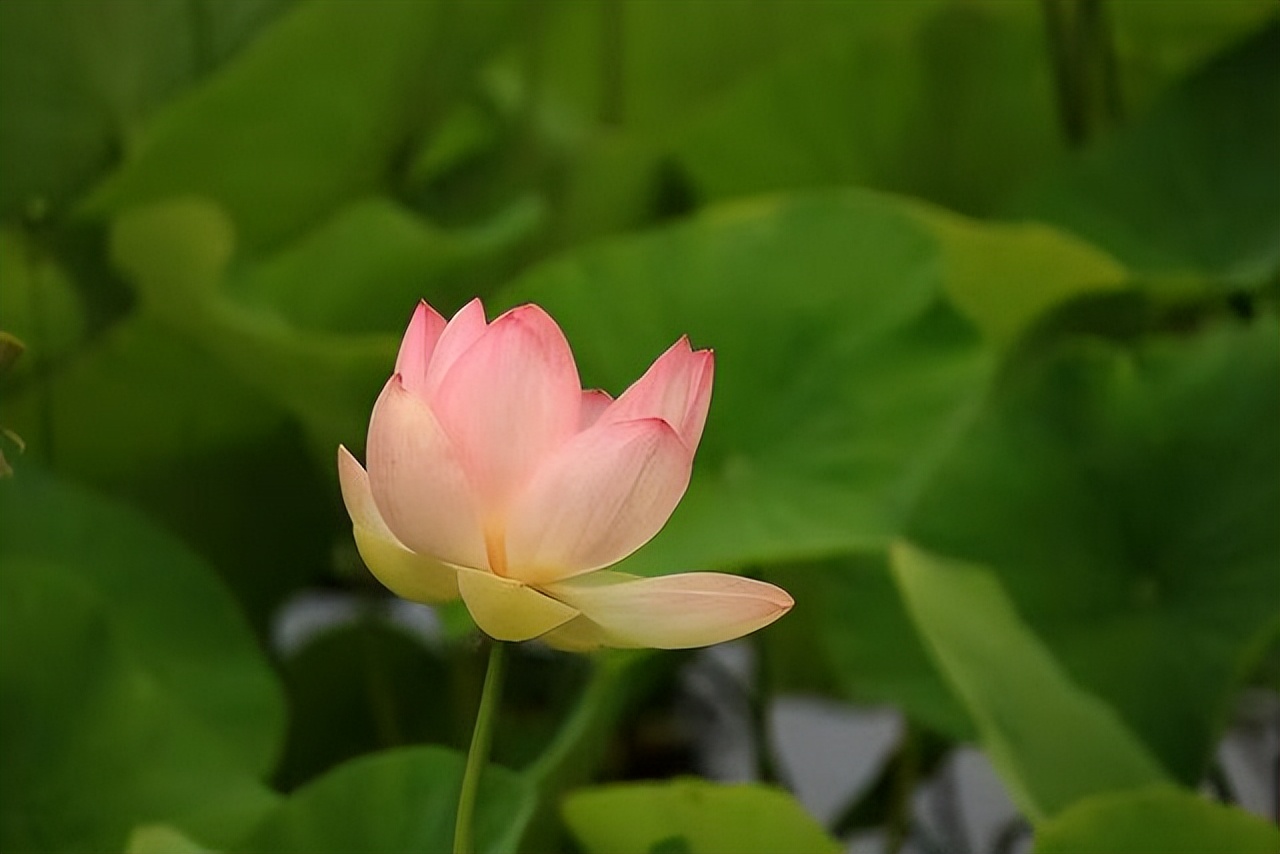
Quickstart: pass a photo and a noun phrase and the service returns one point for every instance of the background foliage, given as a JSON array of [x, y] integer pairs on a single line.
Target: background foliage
[[993, 287]]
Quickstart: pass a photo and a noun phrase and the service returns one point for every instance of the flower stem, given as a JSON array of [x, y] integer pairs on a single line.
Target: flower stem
[[1082, 52], [478, 756]]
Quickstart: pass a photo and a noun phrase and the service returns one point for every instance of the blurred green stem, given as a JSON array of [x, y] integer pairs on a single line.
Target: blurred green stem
[[761, 693], [905, 777], [382, 702], [1082, 52], [478, 755], [621, 678]]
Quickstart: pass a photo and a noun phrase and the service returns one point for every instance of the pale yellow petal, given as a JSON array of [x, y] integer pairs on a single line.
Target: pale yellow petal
[[507, 610], [415, 577]]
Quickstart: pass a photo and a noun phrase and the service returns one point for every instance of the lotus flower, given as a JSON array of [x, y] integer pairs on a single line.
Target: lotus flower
[[494, 476]]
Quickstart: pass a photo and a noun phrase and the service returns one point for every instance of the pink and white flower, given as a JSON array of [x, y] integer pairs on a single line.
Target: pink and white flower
[[493, 476]]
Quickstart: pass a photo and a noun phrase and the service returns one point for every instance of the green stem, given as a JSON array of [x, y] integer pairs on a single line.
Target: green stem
[[478, 756], [758, 703], [593, 717], [905, 778], [1106, 62], [619, 681], [377, 684], [1060, 25], [1085, 68]]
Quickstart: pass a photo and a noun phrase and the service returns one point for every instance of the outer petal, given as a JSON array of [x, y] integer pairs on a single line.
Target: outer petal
[[463, 330], [408, 575], [418, 481], [603, 494], [673, 611], [507, 610], [676, 388], [417, 346], [510, 400]]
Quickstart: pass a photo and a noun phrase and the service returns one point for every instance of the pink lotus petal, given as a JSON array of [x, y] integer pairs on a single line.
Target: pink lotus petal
[[416, 347], [508, 401], [418, 481], [594, 403], [463, 330], [507, 610], [695, 415], [410, 576], [676, 388], [600, 497], [673, 611]]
